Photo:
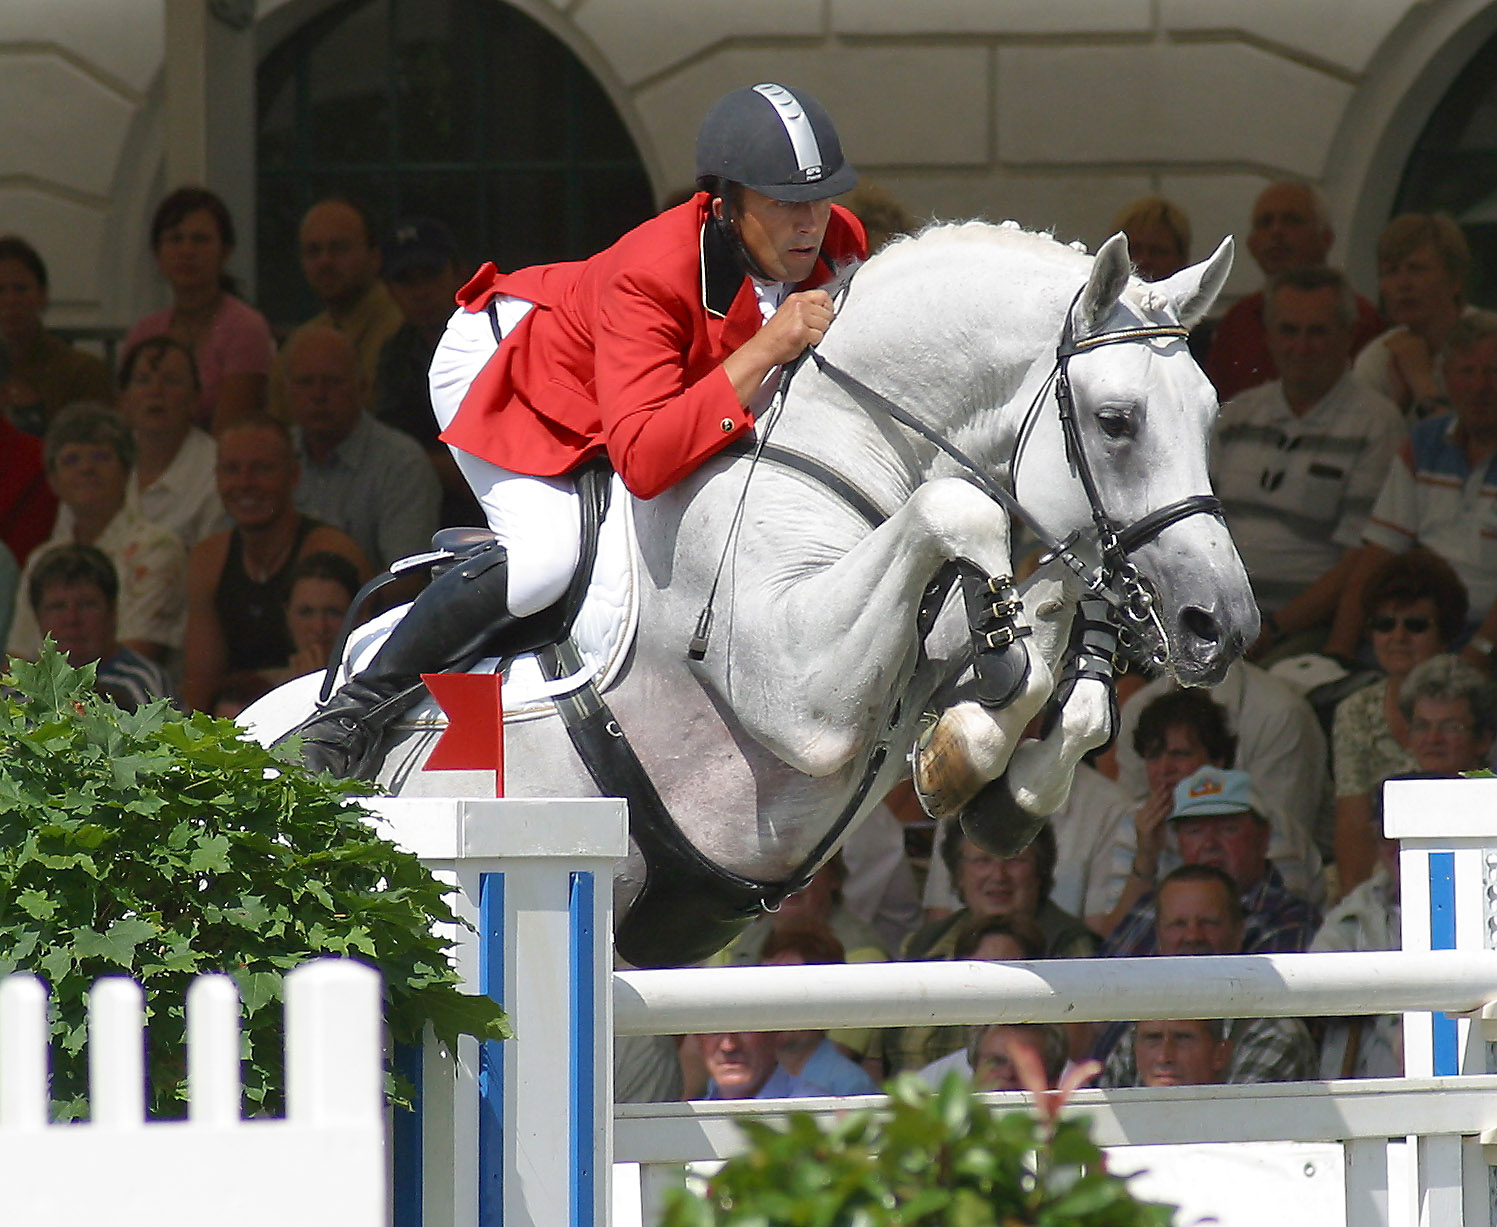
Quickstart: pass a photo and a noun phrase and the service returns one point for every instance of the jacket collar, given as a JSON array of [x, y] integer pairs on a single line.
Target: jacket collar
[[722, 275]]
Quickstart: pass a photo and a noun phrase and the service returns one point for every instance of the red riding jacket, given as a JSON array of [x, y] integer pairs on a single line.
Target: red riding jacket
[[623, 353]]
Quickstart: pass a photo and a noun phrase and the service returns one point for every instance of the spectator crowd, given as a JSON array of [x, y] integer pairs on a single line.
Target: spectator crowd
[[200, 521]]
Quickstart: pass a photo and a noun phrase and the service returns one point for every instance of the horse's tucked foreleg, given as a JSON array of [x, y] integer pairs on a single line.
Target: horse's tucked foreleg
[[1007, 814], [970, 743], [841, 634], [1039, 774]]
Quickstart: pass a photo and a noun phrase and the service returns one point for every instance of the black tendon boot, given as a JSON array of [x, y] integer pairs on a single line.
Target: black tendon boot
[[460, 618], [1000, 662]]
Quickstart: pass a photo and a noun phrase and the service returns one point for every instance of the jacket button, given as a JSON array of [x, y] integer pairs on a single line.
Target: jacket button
[[728, 425]]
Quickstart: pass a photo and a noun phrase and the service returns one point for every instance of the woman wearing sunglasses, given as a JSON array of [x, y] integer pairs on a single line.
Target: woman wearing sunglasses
[[1414, 607]]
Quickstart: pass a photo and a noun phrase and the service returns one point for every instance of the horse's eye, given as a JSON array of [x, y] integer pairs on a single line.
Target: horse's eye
[[1116, 423]]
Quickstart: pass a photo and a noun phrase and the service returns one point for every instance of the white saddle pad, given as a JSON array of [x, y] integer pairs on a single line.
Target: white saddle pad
[[603, 633]]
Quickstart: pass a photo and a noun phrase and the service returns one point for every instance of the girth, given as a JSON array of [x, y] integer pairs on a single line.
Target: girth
[[689, 907], [685, 896]]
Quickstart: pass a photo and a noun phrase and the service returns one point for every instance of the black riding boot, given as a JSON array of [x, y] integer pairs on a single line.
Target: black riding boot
[[460, 618]]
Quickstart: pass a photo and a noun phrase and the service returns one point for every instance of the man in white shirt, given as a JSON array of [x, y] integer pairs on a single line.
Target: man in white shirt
[[1297, 462]]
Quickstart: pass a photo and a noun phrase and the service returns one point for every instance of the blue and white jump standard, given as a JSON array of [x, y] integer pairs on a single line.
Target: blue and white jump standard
[[520, 1133]]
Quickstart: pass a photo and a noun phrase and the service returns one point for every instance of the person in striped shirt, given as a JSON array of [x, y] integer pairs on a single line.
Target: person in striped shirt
[[1297, 462]]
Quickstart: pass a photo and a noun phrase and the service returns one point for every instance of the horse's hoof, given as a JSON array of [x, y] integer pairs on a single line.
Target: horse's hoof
[[944, 776], [998, 824]]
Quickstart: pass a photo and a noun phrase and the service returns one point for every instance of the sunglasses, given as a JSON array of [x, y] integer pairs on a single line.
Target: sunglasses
[[1385, 624]]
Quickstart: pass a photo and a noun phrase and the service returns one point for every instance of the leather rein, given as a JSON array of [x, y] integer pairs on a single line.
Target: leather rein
[[1117, 579]]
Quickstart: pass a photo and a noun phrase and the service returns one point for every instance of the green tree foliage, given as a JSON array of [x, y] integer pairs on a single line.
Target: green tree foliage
[[929, 1158], [159, 847]]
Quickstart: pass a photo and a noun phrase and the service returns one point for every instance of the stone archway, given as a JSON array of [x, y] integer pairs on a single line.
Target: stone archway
[[1403, 86], [471, 112]]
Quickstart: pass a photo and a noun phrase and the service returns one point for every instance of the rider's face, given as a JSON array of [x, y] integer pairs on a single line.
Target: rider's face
[[783, 236]]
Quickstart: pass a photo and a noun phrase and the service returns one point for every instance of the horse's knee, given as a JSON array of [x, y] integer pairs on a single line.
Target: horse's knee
[[965, 521]]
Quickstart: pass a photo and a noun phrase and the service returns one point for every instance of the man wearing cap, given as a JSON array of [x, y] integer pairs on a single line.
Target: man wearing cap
[[657, 352], [423, 275], [1218, 820]]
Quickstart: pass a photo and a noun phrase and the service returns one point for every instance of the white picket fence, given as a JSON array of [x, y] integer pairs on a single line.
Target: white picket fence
[[323, 1164]]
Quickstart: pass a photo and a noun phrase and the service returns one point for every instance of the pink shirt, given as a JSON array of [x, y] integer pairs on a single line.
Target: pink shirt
[[238, 343]]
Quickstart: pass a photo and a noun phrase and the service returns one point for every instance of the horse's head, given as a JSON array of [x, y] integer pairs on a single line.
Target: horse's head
[[1142, 413]]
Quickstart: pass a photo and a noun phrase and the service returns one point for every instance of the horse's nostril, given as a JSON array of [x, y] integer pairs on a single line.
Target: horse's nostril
[[1202, 625]]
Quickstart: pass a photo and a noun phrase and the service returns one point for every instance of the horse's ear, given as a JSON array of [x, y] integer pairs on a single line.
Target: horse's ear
[[1110, 270], [1192, 290]]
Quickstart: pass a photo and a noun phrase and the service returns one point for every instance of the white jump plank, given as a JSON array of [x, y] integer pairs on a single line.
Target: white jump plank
[[1442, 1193], [333, 1049], [1367, 1182]]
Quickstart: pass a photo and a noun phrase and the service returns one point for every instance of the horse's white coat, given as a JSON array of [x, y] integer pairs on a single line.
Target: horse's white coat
[[814, 658]]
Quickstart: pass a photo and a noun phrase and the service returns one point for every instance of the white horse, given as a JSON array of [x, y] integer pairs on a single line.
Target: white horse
[[816, 682]]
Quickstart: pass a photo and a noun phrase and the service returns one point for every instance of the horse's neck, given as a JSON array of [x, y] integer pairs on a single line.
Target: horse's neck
[[966, 355]]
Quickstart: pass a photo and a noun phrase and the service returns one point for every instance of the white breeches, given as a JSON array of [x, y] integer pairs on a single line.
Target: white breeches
[[539, 519]]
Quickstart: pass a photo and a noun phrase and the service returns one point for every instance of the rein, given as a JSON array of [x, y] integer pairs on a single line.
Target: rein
[[1117, 580]]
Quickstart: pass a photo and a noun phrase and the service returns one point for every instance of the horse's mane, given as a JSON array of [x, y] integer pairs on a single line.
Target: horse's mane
[[1006, 238], [1008, 235]]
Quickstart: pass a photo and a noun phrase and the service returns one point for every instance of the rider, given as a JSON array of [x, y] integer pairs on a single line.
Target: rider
[[658, 351]]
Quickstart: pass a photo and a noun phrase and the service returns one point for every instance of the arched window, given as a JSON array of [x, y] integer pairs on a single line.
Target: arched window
[[465, 110], [1453, 168]]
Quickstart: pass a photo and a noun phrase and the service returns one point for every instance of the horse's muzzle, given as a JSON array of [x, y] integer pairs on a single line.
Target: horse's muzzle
[[1205, 645]]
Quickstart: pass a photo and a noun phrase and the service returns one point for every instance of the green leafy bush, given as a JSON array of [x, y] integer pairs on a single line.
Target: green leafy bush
[[939, 1158], [159, 847]]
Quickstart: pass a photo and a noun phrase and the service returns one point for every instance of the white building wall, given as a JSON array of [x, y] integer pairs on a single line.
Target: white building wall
[[1055, 113]]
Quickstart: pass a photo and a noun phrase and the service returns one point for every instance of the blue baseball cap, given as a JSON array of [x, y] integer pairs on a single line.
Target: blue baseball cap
[[1216, 790]]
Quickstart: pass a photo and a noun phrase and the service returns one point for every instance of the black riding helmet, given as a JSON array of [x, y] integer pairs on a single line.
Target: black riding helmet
[[777, 141]]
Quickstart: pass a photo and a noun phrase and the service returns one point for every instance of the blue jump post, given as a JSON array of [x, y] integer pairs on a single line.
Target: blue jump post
[[1447, 831]]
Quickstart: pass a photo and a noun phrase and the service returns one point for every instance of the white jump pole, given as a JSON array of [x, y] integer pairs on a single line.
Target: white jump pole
[[1053, 990]]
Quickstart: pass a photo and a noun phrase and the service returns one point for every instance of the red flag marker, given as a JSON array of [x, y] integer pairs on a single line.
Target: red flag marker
[[474, 737]]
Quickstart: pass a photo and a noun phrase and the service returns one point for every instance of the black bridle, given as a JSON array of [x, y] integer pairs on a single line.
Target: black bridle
[[1117, 579]]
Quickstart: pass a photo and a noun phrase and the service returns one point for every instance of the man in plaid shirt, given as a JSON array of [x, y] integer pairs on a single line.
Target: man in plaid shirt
[[1218, 820], [1200, 913]]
